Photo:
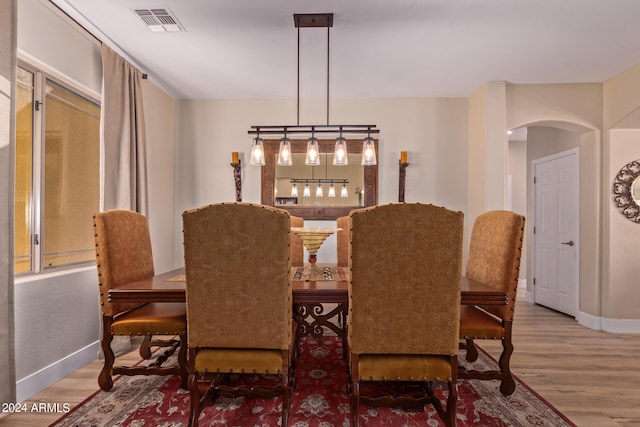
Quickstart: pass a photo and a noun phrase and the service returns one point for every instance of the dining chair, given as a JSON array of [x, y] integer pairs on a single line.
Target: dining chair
[[297, 248], [404, 306], [123, 255], [239, 303], [342, 241], [494, 258]]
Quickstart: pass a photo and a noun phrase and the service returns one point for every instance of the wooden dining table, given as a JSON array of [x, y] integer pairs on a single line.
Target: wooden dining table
[[316, 304]]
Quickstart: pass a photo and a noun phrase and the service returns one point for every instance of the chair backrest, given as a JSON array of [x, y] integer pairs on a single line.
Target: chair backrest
[[494, 255], [342, 241], [297, 248], [237, 267], [404, 292], [123, 253]]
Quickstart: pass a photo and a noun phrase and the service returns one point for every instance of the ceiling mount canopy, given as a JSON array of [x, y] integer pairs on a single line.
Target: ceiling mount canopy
[[312, 20]]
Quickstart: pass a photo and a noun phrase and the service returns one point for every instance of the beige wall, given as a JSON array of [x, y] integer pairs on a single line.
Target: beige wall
[[433, 131], [620, 292], [160, 111], [487, 145], [575, 112]]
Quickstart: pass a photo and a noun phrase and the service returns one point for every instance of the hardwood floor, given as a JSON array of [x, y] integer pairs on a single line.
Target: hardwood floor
[[590, 376]]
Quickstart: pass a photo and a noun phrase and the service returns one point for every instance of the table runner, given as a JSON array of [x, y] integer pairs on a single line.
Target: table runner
[[339, 274]]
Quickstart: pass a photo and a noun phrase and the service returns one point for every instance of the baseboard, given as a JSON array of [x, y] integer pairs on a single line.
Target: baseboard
[[590, 321], [617, 326], [522, 284], [45, 377]]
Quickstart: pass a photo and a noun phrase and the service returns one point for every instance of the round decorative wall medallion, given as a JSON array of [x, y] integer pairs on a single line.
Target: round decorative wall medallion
[[626, 191]]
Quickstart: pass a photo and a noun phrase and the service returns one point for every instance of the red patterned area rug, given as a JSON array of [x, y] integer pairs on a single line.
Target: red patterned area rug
[[319, 400]]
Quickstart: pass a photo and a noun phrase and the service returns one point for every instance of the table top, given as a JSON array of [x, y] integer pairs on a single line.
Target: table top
[[160, 288]]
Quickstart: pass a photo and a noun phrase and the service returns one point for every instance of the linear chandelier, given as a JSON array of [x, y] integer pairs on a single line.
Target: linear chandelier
[[312, 158], [319, 191]]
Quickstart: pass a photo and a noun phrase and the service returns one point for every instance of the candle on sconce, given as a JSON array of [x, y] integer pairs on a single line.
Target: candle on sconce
[[403, 157], [234, 157]]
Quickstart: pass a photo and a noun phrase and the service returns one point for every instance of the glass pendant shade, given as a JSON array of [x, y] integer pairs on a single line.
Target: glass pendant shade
[[344, 192], [368, 152], [340, 157], [306, 192], [284, 153], [257, 153], [332, 191], [319, 191], [294, 190], [313, 153]]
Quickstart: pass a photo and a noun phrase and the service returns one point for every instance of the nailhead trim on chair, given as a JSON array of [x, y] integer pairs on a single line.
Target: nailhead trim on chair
[[483, 338]]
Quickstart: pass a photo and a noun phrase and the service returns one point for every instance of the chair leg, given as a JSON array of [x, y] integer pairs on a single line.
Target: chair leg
[[507, 383], [194, 392], [182, 361], [104, 379], [286, 400], [472, 350], [355, 391], [145, 347], [452, 402], [194, 395]]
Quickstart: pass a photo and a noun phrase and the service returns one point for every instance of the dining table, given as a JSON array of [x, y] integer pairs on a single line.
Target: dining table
[[317, 304]]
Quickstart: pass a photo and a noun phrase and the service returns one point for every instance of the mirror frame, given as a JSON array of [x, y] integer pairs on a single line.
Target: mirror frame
[[271, 147], [623, 191]]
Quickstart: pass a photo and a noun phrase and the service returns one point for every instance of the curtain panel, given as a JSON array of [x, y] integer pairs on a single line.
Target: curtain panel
[[123, 173]]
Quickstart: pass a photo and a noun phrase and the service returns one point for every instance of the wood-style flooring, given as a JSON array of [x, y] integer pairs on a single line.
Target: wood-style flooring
[[592, 377]]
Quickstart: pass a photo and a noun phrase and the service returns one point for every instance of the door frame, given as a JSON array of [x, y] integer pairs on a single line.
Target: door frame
[[534, 163]]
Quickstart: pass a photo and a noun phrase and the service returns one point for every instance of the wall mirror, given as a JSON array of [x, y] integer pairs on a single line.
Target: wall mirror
[[626, 191], [277, 181]]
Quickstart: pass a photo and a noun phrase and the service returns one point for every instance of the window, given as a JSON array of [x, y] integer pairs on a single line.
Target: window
[[57, 188]]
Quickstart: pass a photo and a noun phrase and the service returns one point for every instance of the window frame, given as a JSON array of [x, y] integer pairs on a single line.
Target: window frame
[[43, 73]]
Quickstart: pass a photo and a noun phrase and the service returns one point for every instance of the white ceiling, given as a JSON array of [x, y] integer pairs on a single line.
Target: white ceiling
[[379, 48]]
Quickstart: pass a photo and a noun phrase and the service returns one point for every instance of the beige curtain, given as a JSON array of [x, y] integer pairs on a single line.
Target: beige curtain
[[123, 173]]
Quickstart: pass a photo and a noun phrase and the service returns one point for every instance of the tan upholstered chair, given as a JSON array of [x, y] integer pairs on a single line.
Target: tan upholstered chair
[[297, 248], [342, 241], [123, 255], [239, 301], [494, 258], [404, 303]]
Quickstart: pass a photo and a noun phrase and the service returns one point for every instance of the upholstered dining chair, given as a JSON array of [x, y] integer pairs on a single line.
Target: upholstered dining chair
[[494, 258], [239, 303], [123, 255], [297, 248], [342, 241], [404, 305]]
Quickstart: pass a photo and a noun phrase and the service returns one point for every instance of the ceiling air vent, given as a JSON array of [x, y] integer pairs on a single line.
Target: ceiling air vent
[[159, 19]]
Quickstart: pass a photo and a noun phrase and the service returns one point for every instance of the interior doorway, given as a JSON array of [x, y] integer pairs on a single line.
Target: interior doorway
[[556, 231]]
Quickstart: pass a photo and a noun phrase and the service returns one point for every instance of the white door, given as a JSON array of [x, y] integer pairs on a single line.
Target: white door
[[556, 227]]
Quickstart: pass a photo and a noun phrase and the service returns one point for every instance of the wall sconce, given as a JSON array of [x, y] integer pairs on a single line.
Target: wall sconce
[[235, 164], [402, 175]]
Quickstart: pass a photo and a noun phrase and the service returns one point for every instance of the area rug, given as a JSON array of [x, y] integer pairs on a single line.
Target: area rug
[[319, 400]]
